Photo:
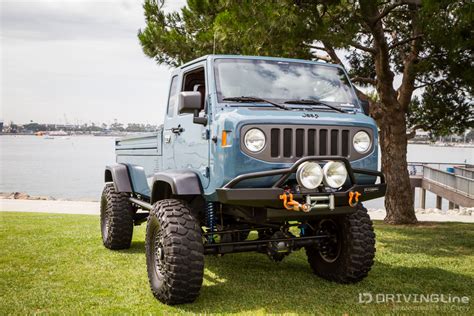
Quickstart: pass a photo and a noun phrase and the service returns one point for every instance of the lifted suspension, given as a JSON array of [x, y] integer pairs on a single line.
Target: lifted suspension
[[210, 221], [261, 245]]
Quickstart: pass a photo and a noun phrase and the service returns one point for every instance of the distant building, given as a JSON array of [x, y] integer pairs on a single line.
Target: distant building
[[422, 135]]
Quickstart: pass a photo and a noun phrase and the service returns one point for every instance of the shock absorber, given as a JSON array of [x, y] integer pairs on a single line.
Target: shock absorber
[[211, 221]]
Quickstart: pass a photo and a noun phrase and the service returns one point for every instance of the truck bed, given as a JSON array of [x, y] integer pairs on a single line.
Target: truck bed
[[144, 150]]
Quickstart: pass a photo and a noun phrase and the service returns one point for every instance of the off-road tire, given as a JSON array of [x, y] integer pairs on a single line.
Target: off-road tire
[[176, 271], [116, 218], [356, 252]]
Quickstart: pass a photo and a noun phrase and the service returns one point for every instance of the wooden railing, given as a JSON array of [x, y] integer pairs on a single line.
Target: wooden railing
[[459, 179]]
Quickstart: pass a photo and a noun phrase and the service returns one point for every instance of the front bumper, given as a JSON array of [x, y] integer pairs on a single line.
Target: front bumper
[[337, 202]]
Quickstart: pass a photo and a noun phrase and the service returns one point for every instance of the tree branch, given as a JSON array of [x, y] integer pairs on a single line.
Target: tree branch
[[393, 6], [387, 10], [422, 86], [364, 48], [316, 47], [332, 53], [381, 57], [364, 80], [407, 87], [426, 83], [325, 58], [399, 43], [413, 130], [411, 134]]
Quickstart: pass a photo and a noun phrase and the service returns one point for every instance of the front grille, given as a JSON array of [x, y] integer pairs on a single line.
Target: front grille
[[301, 142], [288, 143]]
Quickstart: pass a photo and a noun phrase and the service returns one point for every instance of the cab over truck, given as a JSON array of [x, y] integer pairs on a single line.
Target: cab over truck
[[259, 154]]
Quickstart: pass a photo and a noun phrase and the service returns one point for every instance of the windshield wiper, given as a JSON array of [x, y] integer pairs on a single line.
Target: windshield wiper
[[254, 99], [315, 102]]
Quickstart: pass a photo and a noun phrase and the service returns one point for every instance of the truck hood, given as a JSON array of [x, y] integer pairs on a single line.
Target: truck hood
[[237, 116]]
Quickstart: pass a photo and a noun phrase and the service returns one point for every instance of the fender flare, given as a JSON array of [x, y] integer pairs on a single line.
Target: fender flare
[[118, 174], [178, 182]]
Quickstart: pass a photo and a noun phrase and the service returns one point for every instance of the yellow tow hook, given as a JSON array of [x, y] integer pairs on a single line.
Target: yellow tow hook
[[292, 205], [354, 196]]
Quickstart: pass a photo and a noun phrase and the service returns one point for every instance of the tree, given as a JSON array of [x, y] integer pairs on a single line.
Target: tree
[[258, 27], [405, 38], [382, 40]]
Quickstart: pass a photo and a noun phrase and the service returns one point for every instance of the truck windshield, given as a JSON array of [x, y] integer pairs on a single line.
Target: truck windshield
[[282, 81]]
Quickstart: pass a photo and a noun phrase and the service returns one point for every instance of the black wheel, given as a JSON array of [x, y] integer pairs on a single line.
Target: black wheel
[[116, 218], [174, 252], [348, 255]]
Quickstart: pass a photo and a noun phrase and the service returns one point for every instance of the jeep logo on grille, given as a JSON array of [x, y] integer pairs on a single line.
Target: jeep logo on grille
[[310, 115]]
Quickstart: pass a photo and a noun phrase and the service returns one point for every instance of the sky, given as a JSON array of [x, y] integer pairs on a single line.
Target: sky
[[78, 61]]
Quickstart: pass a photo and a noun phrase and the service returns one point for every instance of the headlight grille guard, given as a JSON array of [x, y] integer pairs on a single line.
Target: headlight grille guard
[[287, 172]]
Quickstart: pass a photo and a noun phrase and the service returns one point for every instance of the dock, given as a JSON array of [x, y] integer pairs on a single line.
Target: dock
[[451, 181]]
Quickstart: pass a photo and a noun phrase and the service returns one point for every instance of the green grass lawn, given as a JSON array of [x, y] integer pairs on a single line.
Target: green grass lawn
[[51, 263]]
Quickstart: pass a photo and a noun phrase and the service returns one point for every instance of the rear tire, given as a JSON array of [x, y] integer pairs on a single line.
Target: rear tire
[[116, 218], [349, 256], [174, 252]]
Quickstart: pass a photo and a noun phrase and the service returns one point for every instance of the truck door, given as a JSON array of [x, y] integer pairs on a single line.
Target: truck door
[[170, 121], [189, 140]]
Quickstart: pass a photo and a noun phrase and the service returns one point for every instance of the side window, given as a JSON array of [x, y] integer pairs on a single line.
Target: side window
[[195, 81], [172, 96]]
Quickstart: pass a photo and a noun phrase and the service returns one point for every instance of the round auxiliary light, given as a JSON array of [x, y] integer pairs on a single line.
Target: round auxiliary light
[[335, 174], [254, 140], [361, 142], [309, 175]]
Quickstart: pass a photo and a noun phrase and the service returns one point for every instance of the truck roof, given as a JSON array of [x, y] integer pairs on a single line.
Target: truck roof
[[205, 57]]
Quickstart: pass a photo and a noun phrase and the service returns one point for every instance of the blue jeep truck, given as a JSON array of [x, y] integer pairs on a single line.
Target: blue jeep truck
[[278, 147]]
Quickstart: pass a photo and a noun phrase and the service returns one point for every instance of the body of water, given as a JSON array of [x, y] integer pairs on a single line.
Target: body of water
[[63, 167], [73, 167]]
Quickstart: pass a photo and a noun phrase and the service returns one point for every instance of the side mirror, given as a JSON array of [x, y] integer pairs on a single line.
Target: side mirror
[[190, 102], [365, 106]]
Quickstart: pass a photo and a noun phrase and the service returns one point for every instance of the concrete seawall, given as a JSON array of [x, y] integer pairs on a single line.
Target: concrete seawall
[[93, 208], [50, 206]]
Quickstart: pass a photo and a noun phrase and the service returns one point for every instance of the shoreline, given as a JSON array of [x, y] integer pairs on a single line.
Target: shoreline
[[22, 202], [93, 208], [449, 145], [125, 134], [26, 197]]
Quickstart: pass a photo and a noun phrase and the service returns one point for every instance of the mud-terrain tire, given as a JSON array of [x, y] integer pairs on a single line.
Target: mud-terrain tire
[[174, 252], [355, 248], [116, 218]]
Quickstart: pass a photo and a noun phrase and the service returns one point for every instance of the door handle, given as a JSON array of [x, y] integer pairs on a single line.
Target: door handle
[[177, 130]]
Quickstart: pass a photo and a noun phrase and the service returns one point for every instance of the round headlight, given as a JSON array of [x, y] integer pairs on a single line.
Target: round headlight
[[254, 140], [335, 174], [309, 175], [361, 142]]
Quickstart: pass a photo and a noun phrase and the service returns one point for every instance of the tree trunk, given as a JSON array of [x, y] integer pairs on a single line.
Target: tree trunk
[[393, 144], [390, 115]]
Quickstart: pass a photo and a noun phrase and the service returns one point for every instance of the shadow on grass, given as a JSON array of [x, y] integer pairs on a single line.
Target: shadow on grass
[[251, 282], [254, 283], [136, 247]]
